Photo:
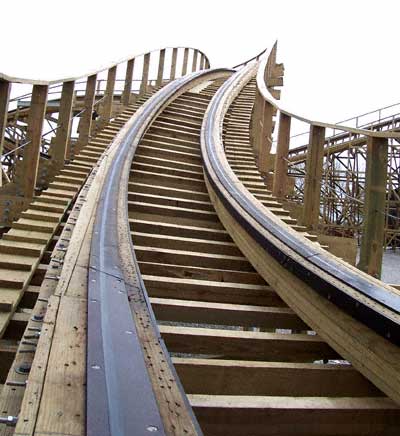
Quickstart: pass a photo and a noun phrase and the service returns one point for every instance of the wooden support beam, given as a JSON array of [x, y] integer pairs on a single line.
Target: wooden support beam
[[215, 377], [266, 137], [256, 123], [26, 179], [5, 88], [126, 94], [85, 123], [375, 198], [109, 95], [173, 63], [281, 164], [61, 147], [194, 62], [145, 75], [185, 61], [161, 62], [202, 62], [313, 177]]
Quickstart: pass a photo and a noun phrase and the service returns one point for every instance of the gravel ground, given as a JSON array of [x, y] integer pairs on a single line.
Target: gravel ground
[[391, 267]]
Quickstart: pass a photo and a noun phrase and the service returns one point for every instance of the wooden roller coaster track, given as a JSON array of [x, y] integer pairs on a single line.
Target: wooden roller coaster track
[[154, 278]]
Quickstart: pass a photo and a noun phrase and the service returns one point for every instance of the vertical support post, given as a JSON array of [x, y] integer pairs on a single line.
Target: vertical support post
[[256, 126], [372, 241], [145, 74], [194, 62], [109, 95], [85, 123], [161, 62], [61, 147], [26, 180], [282, 151], [185, 61], [5, 88], [313, 177], [126, 94], [202, 61], [173, 63], [266, 137]]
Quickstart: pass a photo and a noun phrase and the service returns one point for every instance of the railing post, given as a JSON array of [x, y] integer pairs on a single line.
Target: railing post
[[126, 94], [145, 74], [194, 62], [61, 147], [372, 241], [161, 62], [185, 61], [85, 123], [26, 180], [256, 126], [5, 88], [202, 62], [173, 63], [279, 188], [313, 177], [266, 137], [109, 96]]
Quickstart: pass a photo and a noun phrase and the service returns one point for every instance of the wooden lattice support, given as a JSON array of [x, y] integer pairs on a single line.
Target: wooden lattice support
[[372, 242], [5, 88]]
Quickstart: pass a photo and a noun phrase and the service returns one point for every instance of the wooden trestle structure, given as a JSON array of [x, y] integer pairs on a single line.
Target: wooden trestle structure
[[155, 276]]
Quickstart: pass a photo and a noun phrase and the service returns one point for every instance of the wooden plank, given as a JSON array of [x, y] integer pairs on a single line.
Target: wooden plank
[[202, 312], [266, 138], [185, 61], [145, 74], [241, 377], [126, 94], [233, 344], [161, 62], [372, 241], [313, 177], [5, 88], [85, 123], [173, 63], [108, 96], [61, 149], [26, 179], [280, 182], [194, 61], [291, 416]]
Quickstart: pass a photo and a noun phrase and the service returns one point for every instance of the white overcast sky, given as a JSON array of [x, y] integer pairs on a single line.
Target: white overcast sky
[[341, 57]]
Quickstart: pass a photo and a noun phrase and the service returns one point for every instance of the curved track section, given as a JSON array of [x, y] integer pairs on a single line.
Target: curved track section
[[366, 300], [121, 400]]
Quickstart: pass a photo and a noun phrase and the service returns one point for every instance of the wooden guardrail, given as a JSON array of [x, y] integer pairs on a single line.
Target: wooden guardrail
[[266, 108], [98, 104]]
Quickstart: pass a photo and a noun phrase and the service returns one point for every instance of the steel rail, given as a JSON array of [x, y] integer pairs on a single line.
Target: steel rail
[[120, 398], [314, 266]]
